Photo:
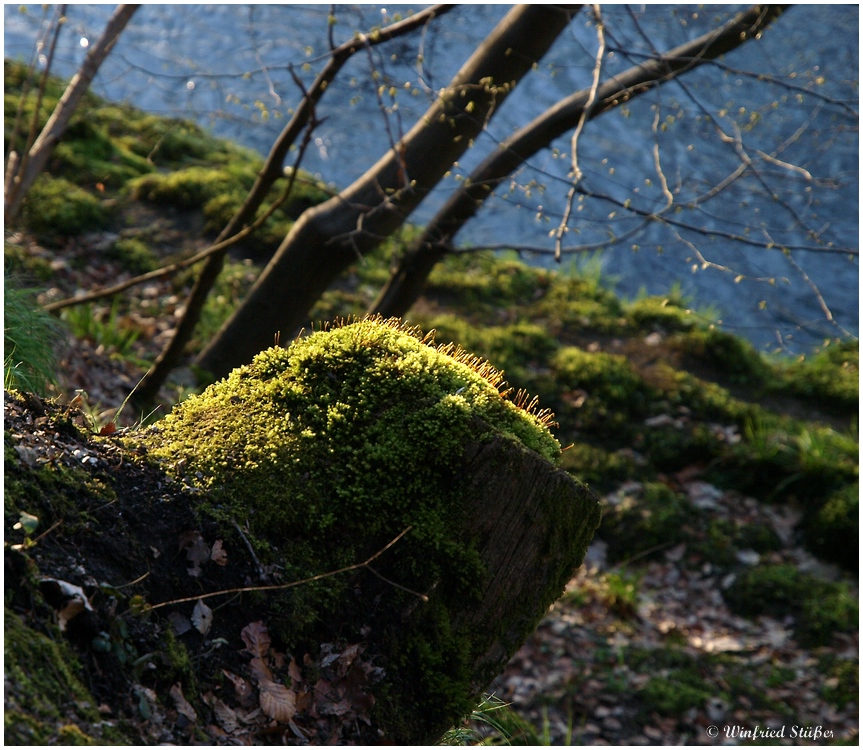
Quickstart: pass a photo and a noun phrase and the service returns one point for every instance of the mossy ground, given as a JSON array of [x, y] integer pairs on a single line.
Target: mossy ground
[[645, 391]]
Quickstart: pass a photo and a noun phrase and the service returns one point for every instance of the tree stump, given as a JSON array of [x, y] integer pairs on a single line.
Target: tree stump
[[311, 460]]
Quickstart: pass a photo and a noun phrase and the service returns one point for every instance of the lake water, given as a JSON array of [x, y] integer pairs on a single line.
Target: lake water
[[223, 65]]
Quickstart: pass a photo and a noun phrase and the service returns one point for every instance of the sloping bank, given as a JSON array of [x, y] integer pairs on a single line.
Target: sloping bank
[[361, 449]]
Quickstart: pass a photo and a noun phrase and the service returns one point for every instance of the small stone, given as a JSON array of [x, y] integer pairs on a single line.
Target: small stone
[[652, 733]]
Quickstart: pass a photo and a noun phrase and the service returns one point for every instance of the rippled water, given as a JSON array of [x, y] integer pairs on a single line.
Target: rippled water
[[223, 64]]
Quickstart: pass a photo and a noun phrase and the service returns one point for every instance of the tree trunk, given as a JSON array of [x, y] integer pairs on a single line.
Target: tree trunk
[[272, 171], [406, 282], [329, 237], [31, 164]]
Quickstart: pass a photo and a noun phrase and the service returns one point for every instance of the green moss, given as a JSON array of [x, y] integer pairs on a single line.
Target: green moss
[[480, 281], [606, 390], [219, 192], [18, 261], [647, 522], [832, 531], [516, 350], [819, 608], [55, 206], [186, 188], [44, 695], [667, 313], [830, 378], [678, 681], [732, 356], [135, 255], [331, 447], [842, 683]]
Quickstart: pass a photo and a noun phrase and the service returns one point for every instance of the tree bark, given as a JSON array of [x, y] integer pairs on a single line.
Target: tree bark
[[406, 282], [272, 171], [32, 164], [328, 238]]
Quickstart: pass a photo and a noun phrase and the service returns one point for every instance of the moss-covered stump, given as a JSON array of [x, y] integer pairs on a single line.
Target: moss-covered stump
[[311, 459], [329, 449]]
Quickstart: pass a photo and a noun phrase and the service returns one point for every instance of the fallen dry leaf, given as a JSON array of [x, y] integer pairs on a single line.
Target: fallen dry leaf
[[242, 687], [259, 669], [225, 715], [202, 617], [257, 638], [218, 554], [277, 701], [197, 550], [108, 429], [183, 706]]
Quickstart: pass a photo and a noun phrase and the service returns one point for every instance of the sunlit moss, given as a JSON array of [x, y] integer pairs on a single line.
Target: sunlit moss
[[55, 206]]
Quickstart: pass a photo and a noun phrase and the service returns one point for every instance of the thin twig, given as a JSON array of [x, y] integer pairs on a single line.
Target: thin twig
[[282, 586], [585, 114], [260, 568]]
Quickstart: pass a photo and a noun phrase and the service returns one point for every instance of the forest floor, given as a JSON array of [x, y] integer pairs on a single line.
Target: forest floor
[[721, 590]]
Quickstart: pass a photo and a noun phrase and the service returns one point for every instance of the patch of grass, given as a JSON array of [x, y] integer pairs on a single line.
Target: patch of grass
[[29, 334], [621, 593], [103, 328], [819, 608]]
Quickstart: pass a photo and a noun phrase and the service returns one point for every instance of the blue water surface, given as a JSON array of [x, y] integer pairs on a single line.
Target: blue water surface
[[228, 67]]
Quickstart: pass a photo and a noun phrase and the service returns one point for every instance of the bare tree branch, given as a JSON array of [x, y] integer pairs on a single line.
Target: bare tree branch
[[272, 171], [591, 100], [38, 154], [406, 281]]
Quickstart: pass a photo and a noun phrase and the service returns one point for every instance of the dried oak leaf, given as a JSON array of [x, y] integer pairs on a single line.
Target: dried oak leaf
[[202, 617], [277, 701], [257, 638]]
